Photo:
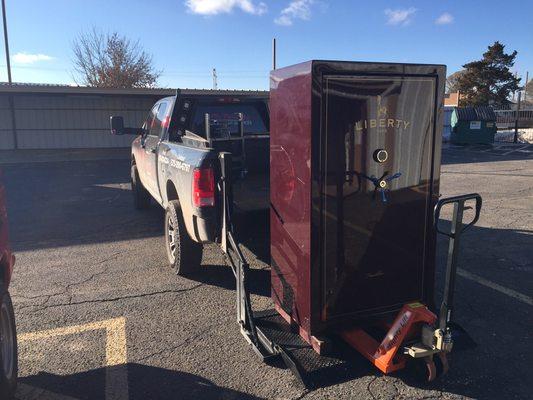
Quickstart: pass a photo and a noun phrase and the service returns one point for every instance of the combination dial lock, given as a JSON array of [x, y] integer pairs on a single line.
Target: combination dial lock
[[380, 156]]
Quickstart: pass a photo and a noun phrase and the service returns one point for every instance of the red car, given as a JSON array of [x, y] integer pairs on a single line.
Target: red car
[[8, 334]]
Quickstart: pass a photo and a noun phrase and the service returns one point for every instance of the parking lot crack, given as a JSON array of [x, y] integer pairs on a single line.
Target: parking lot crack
[[368, 387], [112, 299], [67, 289]]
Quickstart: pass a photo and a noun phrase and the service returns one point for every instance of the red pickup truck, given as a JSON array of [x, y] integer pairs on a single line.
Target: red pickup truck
[[8, 334]]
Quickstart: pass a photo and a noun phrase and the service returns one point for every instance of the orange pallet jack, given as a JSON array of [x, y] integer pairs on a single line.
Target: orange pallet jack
[[416, 331]]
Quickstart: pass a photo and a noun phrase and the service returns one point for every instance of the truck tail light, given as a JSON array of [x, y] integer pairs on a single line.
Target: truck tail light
[[203, 187]]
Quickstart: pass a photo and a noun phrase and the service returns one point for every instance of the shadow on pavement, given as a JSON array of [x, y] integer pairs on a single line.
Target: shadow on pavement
[[144, 382], [495, 320], [222, 276], [85, 202], [74, 203]]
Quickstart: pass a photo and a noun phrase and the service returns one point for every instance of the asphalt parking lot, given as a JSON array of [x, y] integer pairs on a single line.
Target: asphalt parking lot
[[100, 315]]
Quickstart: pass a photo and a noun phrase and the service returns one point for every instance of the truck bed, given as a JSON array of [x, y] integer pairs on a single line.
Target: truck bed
[[252, 193]]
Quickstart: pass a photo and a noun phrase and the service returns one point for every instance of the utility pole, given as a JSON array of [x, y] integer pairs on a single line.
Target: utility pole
[[6, 42], [215, 82], [514, 93], [10, 99], [525, 87], [274, 53], [516, 118]]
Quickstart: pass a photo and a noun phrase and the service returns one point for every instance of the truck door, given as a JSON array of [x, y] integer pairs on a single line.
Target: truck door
[[151, 145], [377, 185], [140, 154]]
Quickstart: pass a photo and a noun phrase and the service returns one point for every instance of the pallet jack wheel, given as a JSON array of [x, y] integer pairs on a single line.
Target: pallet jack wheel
[[431, 368], [422, 370], [441, 362]]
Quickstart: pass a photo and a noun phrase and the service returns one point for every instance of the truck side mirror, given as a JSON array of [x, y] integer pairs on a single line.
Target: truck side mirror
[[117, 125]]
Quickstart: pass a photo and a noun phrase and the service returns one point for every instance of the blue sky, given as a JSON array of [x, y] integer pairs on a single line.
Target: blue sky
[[188, 38]]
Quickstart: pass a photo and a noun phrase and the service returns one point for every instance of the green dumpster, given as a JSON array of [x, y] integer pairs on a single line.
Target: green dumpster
[[473, 125]]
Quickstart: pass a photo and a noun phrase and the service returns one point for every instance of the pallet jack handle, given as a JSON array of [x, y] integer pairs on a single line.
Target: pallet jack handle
[[456, 229]]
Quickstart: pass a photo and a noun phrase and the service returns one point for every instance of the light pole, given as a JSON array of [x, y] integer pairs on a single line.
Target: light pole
[[6, 42], [525, 87], [8, 62], [215, 79], [517, 116], [274, 53]]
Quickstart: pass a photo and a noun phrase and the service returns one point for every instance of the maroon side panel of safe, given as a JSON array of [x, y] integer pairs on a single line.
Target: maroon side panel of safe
[[290, 190], [354, 171]]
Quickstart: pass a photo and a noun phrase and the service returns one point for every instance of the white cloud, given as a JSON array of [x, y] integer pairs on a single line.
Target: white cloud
[[26, 58], [400, 16], [297, 9], [444, 19], [213, 7]]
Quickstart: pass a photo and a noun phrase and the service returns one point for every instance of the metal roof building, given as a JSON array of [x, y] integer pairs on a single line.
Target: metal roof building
[[34, 116]]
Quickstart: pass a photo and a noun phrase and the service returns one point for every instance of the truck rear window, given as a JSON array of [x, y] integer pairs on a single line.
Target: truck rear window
[[226, 115]]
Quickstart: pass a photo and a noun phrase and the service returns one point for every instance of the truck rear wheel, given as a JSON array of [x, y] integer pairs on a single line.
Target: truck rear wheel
[[8, 346], [184, 254], [141, 197]]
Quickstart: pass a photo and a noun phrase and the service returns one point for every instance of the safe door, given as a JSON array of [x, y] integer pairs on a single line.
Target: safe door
[[376, 159]]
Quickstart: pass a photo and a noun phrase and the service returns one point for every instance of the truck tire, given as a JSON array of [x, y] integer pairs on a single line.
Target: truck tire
[[141, 197], [184, 254], [8, 346]]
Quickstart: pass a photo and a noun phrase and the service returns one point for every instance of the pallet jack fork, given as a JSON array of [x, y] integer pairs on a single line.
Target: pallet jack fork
[[416, 332]]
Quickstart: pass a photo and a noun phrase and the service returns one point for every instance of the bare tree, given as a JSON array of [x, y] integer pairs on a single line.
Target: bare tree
[[112, 60]]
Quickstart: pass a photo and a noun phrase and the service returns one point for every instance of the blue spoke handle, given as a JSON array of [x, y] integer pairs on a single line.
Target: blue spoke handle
[[376, 182], [396, 175], [383, 197]]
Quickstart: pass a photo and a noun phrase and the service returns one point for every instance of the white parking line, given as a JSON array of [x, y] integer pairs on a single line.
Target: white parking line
[[513, 150], [502, 289], [116, 387]]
